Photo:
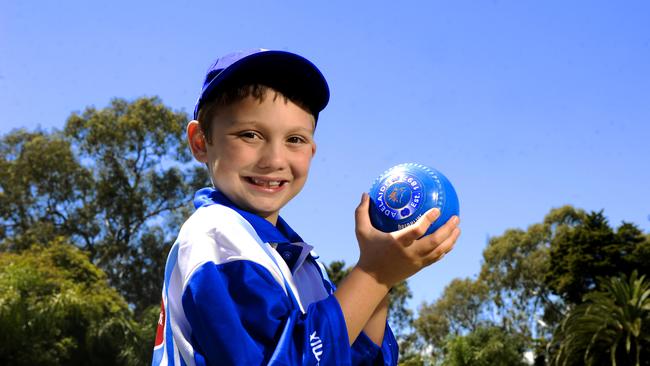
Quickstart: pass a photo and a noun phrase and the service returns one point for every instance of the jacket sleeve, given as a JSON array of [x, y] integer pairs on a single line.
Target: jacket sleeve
[[240, 315], [366, 352]]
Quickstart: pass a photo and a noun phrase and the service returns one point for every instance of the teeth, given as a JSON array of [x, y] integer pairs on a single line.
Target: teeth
[[261, 182]]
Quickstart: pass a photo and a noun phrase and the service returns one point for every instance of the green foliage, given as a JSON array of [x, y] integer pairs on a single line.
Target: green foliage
[[457, 311], [515, 268], [116, 182], [44, 191], [611, 327], [56, 308], [529, 280], [413, 351], [563, 255], [138, 151], [336, 271], [399, 315], [462, 303], [591, 249], [485, 346]]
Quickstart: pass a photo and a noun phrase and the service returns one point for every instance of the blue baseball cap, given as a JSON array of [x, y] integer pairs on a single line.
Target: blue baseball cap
[[284, 71]]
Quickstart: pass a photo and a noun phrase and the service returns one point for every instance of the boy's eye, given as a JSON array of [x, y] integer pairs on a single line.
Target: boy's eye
[[296, 140], [249, 135]]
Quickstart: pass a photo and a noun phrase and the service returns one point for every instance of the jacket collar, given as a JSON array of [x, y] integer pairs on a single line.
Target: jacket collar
[[281, 233]]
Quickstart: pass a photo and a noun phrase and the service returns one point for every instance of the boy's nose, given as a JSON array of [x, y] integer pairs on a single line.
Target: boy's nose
[[272, 157]]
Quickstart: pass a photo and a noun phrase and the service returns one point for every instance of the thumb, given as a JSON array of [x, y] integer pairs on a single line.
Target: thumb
[[362, 214], [413, 232]]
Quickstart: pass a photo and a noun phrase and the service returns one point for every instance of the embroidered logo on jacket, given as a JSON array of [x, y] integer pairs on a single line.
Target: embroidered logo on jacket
[[316, 345]]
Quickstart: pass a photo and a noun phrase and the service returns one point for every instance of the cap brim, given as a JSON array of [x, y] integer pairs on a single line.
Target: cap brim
[[286, 72]]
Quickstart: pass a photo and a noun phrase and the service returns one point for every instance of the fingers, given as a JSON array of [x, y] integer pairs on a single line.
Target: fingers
[[361, 214], [429, 243], [442, 233], [411, 233], [443, 248]]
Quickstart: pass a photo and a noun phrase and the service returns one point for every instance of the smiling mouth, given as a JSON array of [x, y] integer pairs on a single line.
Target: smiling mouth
[[266, 183]]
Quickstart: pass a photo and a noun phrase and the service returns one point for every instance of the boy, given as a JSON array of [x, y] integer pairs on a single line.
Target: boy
[[241, 287]]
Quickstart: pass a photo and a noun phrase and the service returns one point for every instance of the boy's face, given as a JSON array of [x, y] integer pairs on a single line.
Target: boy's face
[[260, 152]]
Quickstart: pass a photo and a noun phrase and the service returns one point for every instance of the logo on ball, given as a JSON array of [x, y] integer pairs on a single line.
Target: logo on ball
[[399, 196], [405, 192]]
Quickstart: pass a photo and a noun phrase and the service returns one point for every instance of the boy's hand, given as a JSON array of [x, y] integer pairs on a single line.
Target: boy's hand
[[385, 260], [394, 257]]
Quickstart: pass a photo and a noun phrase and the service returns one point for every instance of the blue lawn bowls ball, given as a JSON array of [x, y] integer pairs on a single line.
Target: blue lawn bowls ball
[[405, 192]]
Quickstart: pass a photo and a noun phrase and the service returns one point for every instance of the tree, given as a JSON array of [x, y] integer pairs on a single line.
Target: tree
[[459, 310], [140, 175], [485, 346], [116, 182], [509, 293], [514, 268], [44, 190], [462, 303], [336, 271], [591, 249], [529, 280], [56, 308], [611, 326]]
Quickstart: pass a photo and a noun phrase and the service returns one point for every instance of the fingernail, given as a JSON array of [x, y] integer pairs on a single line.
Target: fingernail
[[456, 220]]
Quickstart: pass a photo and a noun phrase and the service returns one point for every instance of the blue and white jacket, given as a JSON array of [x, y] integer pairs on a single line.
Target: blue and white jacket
[[240, 291]]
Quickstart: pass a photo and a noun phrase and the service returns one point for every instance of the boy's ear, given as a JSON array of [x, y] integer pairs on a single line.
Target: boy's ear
[[196, 139]]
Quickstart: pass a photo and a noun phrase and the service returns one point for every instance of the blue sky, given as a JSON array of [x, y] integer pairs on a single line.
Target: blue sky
[[523, 105]]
